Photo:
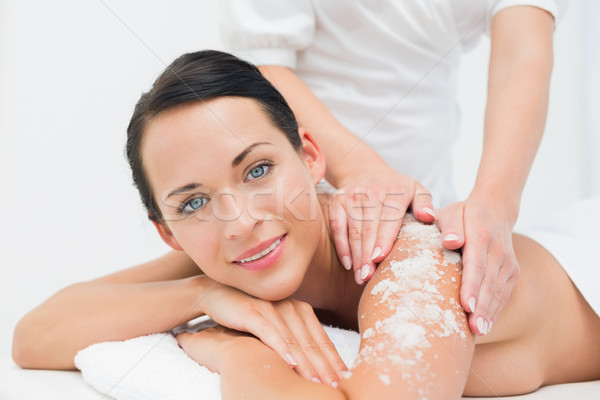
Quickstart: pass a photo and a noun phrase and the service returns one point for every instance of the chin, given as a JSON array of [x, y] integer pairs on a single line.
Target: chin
[[275, 291]]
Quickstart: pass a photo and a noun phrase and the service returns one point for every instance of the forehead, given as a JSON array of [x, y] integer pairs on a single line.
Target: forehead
[[202, 133]]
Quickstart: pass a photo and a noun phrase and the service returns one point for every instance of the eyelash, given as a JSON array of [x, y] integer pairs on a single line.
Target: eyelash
[[260, 163], [181, 209]]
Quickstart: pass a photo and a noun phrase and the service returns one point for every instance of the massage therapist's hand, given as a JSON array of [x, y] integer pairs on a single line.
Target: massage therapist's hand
[[366, 215], [490, 270], [290, 327]]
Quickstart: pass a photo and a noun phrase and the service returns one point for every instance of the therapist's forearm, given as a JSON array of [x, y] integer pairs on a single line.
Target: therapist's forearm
[[519, 78], [346, 155], [50, 336]]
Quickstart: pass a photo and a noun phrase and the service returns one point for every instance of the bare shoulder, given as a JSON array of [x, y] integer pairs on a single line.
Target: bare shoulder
[[415, 341]]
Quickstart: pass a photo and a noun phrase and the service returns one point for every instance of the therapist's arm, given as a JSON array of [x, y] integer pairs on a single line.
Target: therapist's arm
[[366, 213], [519, 77]]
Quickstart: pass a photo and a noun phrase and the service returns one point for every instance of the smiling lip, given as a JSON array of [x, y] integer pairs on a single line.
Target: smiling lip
[[275, 248]]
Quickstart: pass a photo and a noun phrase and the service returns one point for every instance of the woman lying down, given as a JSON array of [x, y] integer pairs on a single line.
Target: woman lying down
[[230, 182]]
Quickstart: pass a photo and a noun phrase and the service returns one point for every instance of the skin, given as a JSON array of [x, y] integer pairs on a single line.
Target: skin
[[537, 327], [520, 67]]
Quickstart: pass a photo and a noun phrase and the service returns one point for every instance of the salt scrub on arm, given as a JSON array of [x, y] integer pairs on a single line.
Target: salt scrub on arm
[[415, 338]]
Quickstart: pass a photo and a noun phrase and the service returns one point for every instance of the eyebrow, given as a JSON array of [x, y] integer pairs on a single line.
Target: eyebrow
[[236, 161], [240, 157]]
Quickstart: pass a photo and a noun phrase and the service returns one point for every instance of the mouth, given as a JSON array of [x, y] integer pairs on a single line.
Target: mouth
[[261, 259]]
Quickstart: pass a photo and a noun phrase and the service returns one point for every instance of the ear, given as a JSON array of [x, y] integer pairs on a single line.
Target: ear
[[312, 156], [166, 235]]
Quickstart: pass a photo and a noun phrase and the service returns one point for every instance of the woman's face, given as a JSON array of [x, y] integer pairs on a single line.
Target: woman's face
[[235, 195]]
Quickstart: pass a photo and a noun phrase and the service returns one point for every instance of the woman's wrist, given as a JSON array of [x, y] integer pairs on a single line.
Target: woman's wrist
[[197, 290]]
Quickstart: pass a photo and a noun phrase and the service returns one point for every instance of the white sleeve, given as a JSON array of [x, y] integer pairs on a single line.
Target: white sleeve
[[267, 32], [557, 8]]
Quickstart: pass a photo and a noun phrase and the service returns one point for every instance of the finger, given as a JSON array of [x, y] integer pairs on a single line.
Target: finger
[[327, 347], [486, 294], [311, 358], [394, 205], [354, 212], [451, 223], [369, 227], [474, 262], [339, 230], [423, 205], [507, 277], [270, 334]]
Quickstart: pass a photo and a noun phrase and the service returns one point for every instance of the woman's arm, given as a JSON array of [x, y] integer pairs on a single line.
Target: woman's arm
[[415, 339], [152, 297], [156, 297]]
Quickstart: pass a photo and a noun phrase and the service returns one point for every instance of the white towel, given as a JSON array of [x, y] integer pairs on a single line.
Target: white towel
[[155, 367]]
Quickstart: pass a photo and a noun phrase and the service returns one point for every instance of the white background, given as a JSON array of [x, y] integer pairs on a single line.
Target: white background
[[70, 74]]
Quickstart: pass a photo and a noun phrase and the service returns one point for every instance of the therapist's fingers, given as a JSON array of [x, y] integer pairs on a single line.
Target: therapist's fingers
[[338, 224], [356, 204], [422, 205], [451, 224], [474, 258], [501, 273], [369, 226], [507, 278], [394, 203]]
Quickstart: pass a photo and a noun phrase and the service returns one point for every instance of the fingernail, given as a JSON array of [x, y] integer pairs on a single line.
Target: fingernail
[[364, 272], [489, 329], [376, 253], [451, 237], [291, 360], [429, 211], [472, 304], [316, 380], [347, 262], [481, 326]]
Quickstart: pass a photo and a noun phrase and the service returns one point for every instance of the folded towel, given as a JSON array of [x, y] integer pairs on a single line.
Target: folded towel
[[155, 367]]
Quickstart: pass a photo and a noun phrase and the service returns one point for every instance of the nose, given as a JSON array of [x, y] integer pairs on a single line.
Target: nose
[[234, 214]]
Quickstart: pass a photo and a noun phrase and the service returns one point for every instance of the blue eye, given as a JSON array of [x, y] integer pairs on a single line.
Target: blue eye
[[257, 171], [194, 204]]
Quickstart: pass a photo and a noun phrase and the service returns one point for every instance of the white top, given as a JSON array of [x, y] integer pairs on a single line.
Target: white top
[[386, 69]]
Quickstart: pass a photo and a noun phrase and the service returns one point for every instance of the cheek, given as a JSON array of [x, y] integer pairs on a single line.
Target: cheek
[[199, 241]]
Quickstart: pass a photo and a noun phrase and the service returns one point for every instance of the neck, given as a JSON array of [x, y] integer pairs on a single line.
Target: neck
[[328, 285]]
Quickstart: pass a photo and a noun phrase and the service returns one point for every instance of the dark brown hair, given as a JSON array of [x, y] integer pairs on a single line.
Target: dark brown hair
[[201, 76]]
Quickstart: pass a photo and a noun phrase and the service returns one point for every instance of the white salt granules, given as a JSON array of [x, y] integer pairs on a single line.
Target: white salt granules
[[385, 379], [419, 312]]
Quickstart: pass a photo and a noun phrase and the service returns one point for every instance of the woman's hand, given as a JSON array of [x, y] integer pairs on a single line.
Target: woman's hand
[[490, 268], [290, 327], [366, 215]]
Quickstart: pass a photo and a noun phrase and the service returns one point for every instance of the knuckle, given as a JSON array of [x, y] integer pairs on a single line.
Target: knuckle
[[368, 230], [311, 347], [477, 265], [354, 233], [303, 307], [489, 288], [499, 293], [290, 341]]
